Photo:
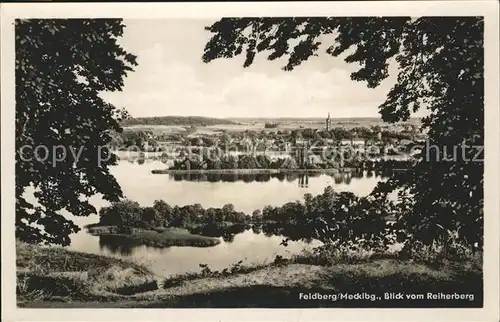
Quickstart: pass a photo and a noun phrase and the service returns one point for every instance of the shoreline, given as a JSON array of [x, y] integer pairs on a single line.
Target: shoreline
[[263, 171], [157, 237], [251, 171]]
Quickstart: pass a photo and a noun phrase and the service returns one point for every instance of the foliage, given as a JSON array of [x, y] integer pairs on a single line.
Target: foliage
[[207, 272], [440, 62], [139, 140], [152, 217], [330, 255], [164, 210], [334, 218], [234, 162], [269, 125], [236, 268], [326, 161], [61, 67], [124, 214]]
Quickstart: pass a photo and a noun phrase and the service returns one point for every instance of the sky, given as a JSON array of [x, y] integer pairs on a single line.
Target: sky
[[172, 79]]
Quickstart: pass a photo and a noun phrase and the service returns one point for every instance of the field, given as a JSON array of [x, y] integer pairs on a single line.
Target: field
[[175, 120], [157, 129], [240, 125]]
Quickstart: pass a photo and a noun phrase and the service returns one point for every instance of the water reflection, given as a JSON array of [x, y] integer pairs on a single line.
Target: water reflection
[[301, 178], [249, 246], [304, 181], [227, 233], [117, 245], [123, 246], [247, 193], [291, 231]]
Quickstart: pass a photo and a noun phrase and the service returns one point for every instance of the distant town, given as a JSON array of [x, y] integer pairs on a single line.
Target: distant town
[[266, 143]]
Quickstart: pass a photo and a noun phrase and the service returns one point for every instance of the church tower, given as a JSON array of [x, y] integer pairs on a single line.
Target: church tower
[[328, 123]]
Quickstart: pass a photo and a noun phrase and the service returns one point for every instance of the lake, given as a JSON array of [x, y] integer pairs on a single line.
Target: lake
[[246, 193]]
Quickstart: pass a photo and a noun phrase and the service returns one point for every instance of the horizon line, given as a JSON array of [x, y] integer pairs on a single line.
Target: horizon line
[[268, 117]]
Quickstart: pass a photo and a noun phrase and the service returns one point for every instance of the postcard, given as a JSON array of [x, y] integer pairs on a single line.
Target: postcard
[[263, 161]]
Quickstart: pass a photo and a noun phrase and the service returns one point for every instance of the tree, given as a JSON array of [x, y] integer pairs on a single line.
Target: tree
[[268, 213], [61, 66], [124, 214], [151, 217], [263, 161], [164, 210], [219, 216], [247, 162], [441, 63], [135, 139], [209, 141], [210, 215], [326, 134], [187, 164], [257, 215], [228, 209], [196, 141], [225, 140]]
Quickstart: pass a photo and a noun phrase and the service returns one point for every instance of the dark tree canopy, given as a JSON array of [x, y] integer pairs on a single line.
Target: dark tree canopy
[[61, 66], [440, 62]]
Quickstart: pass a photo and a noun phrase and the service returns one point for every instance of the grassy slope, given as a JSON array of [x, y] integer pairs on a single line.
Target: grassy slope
[[265, 286], [57, 273], [60, 259]]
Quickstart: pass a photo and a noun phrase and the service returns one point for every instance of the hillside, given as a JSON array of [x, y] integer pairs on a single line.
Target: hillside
[[176, 120], [60, 278]]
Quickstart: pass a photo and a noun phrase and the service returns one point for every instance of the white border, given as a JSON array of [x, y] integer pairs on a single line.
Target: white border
[[488, 9]]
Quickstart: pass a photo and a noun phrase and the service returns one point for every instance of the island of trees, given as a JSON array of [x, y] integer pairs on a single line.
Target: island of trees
[[294, 162], [346, 214]]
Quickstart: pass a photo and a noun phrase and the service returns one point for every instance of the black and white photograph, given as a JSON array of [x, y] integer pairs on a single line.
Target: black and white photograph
[[251, 161]]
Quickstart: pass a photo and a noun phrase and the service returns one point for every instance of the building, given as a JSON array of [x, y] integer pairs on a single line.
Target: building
[[358, 141], [405, 142], [353, 142], [345, 142], [301, 142], [314, 159], [328, 123]]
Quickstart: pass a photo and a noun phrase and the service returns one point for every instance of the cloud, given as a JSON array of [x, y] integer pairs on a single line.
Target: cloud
[[301, 94], [165, 86]]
